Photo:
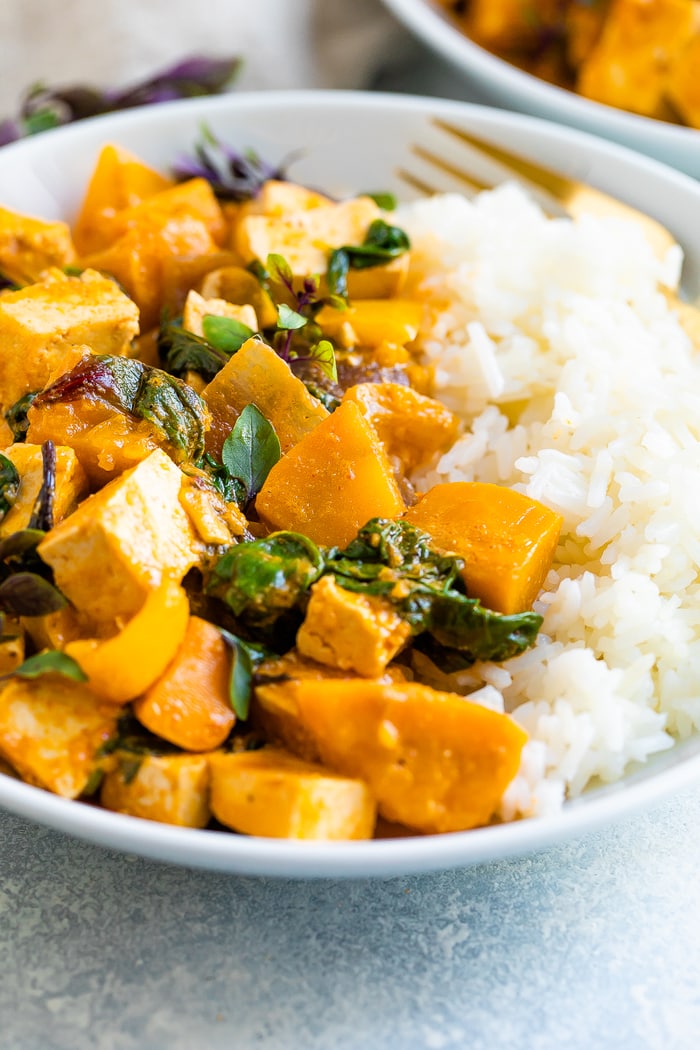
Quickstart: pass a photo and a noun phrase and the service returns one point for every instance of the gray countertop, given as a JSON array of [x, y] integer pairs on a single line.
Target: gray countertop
[[595, 943]]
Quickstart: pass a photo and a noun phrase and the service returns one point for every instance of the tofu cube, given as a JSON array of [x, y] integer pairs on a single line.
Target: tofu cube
[[52, 731], [197, 308], [172, 789], [29, 246], [352, 632], [122, 542], [71, 484], [273, 794], [46, 327]]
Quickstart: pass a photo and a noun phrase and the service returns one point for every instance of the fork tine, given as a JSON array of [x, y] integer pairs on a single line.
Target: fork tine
[[475, 184]]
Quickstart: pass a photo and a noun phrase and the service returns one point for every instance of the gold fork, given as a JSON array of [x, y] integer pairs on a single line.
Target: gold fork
[[559, 196]]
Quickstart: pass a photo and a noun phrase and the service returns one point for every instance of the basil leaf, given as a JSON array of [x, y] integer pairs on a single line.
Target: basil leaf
[[225, 333], [245, 657], [251, 450], [28, 594], [20, 543], [278, 269], [50, 662], [324, 356], [386, 201], [9, 485], [337, 275], [288, 319]]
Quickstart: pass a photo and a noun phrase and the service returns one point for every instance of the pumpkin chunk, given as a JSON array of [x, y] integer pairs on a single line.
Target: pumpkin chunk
[[172, 789], [273, 794], [189, 704], [52, 731], [371, 322], [434, 761], [507, 540], [332, 482], [256, 374]]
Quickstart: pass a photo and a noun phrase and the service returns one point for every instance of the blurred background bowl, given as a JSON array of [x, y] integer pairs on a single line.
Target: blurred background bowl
[[483, 77]]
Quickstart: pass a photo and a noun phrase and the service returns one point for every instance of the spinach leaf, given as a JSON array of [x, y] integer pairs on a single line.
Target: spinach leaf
[[386, 201], [132, 387], [225, 333], [51, 661], [245, 657], [16, 417], [251, 450], [267, 580], [9, 485], [288, 319], [382, 243], [183, 352]]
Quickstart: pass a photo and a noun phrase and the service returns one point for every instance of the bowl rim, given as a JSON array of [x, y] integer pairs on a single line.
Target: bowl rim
[[434, 25], [385, 857]]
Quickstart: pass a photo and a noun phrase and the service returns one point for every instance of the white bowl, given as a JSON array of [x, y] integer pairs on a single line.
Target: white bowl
[[352, 142], [502, 84]]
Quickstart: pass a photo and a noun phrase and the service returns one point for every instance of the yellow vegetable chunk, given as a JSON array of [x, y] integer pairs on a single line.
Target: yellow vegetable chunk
[[352, 632], [29, 246], [120, 180], [371, 322], [213, 520], [307, 236], [145, 260], [52, 731], [12, 645], [511, 23], [189, 703], [272, 794], [433, 761], [410, 425], [629, 66], [127, 538], [332, 482], [683, 86], [172, 789], [256, 374], [507, 540], [193, 199], [46, 327], [71, 484], [122, 667], [197, 308]]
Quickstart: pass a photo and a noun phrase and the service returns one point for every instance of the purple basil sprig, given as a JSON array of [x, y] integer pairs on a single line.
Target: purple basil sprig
[[233, 176], [43, 107]]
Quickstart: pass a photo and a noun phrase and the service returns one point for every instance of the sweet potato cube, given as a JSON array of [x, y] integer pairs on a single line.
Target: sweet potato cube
[[193, 199], [371, 322], [352, 632], [189, 704], [127, 537], [11, 645], [71, 484], [305, 237], [46, 327], [332, 482], [433, 761], [172, 789], [29, 246], [507, 540], [256, 374], [683, 86], [52, 730], [410, 425], [120, 180], [272, 794], [511, 23]]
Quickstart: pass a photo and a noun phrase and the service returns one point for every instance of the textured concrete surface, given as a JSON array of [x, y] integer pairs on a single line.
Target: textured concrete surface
[[592, 944]]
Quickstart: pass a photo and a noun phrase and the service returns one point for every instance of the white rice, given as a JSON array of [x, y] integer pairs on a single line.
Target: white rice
[[571, 318]]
